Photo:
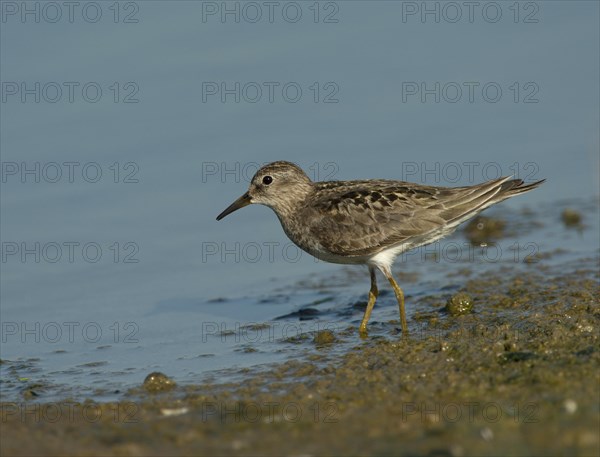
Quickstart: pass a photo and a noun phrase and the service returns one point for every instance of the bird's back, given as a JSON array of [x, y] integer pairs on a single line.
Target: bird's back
[[362, 218]]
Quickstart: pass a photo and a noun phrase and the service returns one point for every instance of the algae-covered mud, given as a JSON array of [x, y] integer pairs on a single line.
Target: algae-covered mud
[[502, 358]]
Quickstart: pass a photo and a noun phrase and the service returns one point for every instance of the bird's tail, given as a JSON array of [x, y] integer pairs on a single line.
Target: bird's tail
[[477, 198], [515, 187]]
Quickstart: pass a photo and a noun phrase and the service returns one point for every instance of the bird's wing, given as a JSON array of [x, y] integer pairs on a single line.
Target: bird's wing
[[364, 217]]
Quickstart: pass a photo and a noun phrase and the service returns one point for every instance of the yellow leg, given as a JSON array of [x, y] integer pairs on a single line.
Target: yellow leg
[[373, 292], [399, 297]]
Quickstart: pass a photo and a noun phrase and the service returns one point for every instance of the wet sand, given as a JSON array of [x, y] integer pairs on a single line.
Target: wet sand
[[513, 373]]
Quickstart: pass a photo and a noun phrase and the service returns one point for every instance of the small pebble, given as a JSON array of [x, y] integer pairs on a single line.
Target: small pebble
[[158, 382], [487, 434], [174, 411], [570, 406]]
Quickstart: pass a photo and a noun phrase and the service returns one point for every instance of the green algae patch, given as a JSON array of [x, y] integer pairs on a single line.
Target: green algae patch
[[324, 337], [571, 218], [459, 304]]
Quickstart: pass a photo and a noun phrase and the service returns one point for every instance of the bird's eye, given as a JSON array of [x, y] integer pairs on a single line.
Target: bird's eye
[[267, 180]]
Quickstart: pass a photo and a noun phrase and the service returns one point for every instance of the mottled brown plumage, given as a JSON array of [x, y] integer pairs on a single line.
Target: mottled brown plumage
[[370, 221]]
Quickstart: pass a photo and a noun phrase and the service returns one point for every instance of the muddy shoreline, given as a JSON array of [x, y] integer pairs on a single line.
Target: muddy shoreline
[[515, 375]]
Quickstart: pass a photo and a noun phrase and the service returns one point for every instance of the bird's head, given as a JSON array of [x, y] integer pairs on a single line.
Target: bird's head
[[278, 185]]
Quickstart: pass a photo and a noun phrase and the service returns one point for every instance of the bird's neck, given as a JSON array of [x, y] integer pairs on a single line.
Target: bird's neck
[[287, 207]]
